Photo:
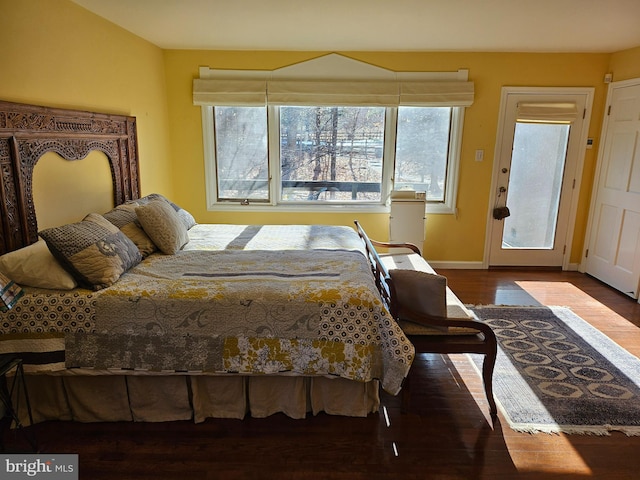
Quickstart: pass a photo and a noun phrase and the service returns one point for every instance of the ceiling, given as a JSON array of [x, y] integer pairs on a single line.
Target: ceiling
[[379, 25]]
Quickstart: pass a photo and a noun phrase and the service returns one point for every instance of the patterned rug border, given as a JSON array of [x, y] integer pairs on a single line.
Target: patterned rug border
[[627, 363]]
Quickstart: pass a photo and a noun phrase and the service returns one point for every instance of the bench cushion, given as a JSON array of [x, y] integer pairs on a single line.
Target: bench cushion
[[421, 291], [429, 288]]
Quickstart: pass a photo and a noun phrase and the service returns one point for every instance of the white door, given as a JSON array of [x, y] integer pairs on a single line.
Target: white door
[[539, 154], [613, 249]]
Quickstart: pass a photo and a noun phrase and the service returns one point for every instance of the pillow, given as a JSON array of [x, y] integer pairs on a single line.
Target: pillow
[[163, 225], [34, 266], [124, 217], [420, 291], [94, 250], [186, 217]]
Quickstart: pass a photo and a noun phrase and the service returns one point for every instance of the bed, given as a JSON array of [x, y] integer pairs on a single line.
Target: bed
[[227, 321]]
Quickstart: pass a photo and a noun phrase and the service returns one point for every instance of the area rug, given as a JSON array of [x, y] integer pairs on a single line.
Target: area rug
[[556, 373]]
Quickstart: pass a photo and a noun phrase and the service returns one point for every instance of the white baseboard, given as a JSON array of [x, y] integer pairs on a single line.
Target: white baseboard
[[456, 265], [572, 267]]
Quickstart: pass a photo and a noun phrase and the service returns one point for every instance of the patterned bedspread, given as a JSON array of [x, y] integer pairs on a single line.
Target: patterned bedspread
[[273, 237], [239, 299]]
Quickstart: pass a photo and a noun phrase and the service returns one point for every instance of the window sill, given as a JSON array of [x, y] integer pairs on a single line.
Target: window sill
[[317, 208]]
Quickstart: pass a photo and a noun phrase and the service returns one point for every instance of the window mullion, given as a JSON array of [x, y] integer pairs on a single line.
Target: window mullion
[[273, 129], [453, 159], [209, 147], [389, 156]]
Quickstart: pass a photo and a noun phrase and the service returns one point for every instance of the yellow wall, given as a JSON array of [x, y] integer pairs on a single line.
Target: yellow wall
[[626, 64], [449, 238], [55, 53], [78, 188]]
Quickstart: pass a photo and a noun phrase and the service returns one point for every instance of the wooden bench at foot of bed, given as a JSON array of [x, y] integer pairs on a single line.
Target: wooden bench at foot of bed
[[431, 315]]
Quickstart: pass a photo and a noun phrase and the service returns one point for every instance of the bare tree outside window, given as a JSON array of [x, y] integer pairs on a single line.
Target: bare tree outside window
[[422, 150], [241, 153], [331, 153]]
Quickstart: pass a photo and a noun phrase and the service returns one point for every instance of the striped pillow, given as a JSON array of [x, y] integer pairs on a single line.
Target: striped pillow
[[94, 251]]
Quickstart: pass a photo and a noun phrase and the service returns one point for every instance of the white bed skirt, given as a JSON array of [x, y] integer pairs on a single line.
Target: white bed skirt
[[160, 398]]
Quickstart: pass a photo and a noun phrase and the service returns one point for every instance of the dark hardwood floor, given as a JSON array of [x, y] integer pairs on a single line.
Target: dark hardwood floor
[[447, 433]]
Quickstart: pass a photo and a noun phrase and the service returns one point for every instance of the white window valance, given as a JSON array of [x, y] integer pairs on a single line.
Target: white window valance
[[327, 93], [547, 112], [304, 92], [452, 93], [334, 85], [232, 92]]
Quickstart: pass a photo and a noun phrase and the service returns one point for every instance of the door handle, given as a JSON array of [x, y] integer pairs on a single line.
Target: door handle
[[501, 212]]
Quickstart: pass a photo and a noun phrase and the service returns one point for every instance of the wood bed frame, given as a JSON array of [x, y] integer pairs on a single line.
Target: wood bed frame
[[27, 132]]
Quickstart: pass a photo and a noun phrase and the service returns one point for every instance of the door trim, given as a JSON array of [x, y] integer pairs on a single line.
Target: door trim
[[587, 92]]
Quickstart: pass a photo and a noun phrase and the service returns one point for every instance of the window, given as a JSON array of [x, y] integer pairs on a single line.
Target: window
[[242, 165], [422, 150], [331, 153], [328, 156], [330, 133]]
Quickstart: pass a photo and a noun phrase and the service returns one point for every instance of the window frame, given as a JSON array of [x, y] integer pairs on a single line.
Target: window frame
[[447, 206]]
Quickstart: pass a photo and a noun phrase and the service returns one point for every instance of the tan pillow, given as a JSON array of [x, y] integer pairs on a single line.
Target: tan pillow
[[420, 291], [124, 217], [94, 250], [163, 225], [34, 266]]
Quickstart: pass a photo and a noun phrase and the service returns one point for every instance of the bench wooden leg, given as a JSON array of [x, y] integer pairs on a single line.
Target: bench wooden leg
[[487, 375], [487, 372]]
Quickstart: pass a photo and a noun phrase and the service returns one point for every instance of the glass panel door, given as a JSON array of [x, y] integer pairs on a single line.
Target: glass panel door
[[535, 183], [539, 152]]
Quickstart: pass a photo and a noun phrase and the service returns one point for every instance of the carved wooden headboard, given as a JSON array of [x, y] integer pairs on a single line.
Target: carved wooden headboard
[[28, 131]]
